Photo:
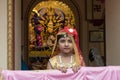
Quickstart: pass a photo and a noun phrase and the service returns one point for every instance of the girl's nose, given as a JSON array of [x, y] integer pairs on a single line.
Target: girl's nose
[[66, 43]]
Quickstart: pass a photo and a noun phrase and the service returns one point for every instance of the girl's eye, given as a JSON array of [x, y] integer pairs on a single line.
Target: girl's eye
[[70, 41], [62, 41]]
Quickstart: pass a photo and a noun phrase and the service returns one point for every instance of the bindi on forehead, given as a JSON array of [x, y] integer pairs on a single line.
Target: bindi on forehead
[[65, 35]]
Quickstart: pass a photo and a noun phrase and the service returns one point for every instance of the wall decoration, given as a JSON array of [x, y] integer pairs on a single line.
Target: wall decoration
[[45, 20], [96, 36], [95, 9], [98, 9]]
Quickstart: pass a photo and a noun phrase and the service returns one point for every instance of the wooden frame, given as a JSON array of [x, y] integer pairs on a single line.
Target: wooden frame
[[10, 34], [96, 36], [89, 9]]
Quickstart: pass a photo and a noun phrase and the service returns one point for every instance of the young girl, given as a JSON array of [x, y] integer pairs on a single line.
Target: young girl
[[68, 54]]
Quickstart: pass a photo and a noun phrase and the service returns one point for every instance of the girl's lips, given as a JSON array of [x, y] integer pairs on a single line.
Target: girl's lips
[[66, 48]]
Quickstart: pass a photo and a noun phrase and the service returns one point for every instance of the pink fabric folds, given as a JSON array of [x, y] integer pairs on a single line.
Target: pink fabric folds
[[85, 73]]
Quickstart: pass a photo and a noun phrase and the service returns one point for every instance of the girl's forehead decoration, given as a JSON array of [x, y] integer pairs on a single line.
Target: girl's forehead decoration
[[65, 35]]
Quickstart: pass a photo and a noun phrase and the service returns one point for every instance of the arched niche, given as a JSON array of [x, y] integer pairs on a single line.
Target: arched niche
[[34, 6], [10, 50]]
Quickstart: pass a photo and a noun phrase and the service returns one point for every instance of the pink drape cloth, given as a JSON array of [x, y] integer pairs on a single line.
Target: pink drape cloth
[[85, 73]]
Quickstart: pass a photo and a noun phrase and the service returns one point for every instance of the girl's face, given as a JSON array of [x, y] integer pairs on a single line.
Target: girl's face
[[65, 45]]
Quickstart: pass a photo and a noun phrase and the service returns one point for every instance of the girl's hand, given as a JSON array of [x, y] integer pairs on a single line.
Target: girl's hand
[[62, 69], [76, 68]]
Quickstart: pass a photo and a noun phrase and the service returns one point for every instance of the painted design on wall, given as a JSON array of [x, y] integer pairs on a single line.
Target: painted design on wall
[[45, 20]]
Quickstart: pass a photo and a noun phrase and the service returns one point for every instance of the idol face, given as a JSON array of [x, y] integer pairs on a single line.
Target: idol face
[[65, 45]]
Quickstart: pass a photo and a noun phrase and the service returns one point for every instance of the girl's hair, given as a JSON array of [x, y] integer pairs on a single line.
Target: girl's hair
[[61, 36]]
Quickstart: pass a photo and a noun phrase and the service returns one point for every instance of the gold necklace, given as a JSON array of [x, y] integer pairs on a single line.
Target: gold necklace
[[68, 65]]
